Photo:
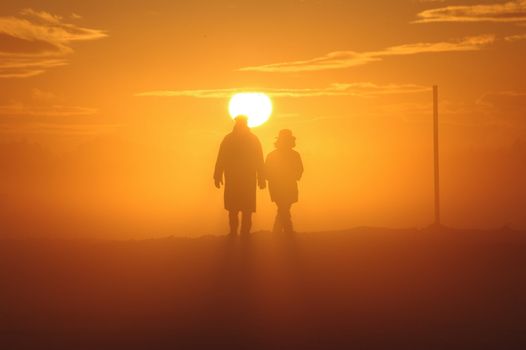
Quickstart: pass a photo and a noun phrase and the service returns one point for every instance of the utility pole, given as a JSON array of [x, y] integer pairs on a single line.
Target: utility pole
[[437, 163]]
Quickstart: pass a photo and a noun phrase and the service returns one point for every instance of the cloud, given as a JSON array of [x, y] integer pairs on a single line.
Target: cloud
[[497, 104], [511, 11], [513, 102], [446, 108], [517, 37], [22, 110], [350, 89], [37, 41], [43, 103], [24, 67], [332, 60], [57, 129], [347, 59], [42, 96]]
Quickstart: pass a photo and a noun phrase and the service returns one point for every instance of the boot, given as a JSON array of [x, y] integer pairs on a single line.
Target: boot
[[246, 223], [278, 227], [284, 218], [234, 223], [287, 226]]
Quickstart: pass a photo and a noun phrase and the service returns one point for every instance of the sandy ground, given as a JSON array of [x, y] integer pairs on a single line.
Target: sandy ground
[[360, 289]]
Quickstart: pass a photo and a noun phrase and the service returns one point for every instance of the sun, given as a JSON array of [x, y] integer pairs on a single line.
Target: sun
[[255, 105]]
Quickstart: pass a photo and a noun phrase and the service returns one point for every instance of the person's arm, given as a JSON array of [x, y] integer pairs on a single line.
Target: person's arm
[[299, 168], [262, 182], [268, 171], [220, 166]]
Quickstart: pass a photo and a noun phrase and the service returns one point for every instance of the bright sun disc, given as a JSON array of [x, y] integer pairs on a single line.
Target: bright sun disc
[[255, 105]]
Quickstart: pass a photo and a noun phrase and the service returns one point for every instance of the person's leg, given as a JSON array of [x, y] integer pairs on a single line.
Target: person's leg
[[284, 214], [246, 222], [233, 221], [278, 225]]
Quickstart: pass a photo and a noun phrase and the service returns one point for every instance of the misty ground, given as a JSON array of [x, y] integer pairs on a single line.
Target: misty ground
[[364, 288]]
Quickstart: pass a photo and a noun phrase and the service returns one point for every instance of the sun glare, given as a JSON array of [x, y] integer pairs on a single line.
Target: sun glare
[[255, 105]]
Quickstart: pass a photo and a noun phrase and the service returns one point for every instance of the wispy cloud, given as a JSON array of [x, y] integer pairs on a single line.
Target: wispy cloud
[[509, 102], [57, 129], [419, 109], [22, 110], [332, 60], [347, 59], [36, 41], [517, 37], [504, 108], [43, 103], [511, 11], [350, 89]]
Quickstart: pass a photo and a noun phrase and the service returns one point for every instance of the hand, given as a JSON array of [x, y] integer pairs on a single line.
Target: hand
[[218, 182], [262, 184]]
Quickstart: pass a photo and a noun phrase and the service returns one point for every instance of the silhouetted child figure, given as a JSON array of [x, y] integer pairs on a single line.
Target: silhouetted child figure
[[283, 168]]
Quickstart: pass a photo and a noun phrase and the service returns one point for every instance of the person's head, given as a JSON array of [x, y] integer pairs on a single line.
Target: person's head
[[285, 139], [241, 123]]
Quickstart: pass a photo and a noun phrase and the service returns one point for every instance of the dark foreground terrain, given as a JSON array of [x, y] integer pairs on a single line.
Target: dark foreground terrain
[[361, 289]]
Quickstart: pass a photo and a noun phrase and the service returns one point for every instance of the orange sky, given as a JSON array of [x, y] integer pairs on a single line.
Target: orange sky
[[111, 114]]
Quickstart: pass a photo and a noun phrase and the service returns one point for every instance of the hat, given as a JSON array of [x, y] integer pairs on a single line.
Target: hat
[[285, 139], [285, 134]]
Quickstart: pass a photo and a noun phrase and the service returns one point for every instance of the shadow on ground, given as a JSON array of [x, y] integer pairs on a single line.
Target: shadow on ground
[[364, 288]]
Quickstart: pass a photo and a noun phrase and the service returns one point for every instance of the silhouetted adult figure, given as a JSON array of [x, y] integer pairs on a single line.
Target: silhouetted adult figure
[[240, 160], [283, 168]]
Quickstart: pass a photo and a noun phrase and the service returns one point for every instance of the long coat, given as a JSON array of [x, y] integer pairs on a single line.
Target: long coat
[[240, 159], [283, 169]]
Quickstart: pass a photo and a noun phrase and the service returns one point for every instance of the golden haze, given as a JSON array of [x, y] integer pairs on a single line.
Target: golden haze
[[111, 121]]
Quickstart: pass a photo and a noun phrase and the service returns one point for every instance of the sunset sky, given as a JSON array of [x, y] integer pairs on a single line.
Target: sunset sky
[[111, 113]]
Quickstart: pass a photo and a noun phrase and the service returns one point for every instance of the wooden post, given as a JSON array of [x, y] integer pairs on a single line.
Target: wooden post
[[436, 144]]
